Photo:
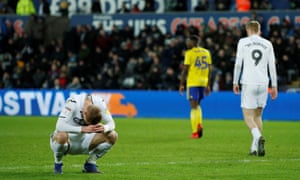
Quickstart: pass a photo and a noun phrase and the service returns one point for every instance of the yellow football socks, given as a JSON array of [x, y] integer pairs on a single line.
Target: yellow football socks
[[196, 118], [199, 115]]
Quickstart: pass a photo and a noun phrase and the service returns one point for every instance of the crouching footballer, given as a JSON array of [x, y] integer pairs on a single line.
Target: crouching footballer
[[84, 126]]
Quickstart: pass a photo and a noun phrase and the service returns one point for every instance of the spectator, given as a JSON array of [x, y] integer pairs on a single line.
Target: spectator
[[63, 76], [243, 5], [177, 5], [3, 8], [71, 39], [55, 84], [81, 69], [131, 67], [154, 76], [223, 5], [295, 4], [7, 31], [100, 59], [286, 27], [202, 5], [266, 5], [255, 4], [58, 54], [42, 54], [75, 84], [96, 7], [296, 54], [149, 6], [128, 82], [53, 73], [227, 86], [6, 62], [123, 9], [99, 82], [36, 29], [26, 77], [261, 5], [216, 83], [135, 8], [170, 80], [25, 8], [103, 41], [256, 17], [6, 82], [71, 62], [64, 8], [84, 53], [12, 6], [44, 8]]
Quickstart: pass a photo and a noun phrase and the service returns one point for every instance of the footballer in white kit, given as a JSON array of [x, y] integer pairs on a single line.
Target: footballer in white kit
[[84, 126], [254, 70]]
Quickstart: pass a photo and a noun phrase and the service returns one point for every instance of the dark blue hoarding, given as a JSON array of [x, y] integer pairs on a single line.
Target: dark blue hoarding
[[149, 104]]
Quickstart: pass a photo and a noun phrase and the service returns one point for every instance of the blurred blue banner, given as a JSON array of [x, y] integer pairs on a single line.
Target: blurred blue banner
[[150, 104]]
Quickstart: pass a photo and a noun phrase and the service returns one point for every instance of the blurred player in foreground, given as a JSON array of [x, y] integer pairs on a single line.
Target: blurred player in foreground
[[254, 61], [196, 73], [79, 130]]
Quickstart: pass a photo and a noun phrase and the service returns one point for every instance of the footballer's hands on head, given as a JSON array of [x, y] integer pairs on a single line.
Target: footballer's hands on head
[[99, 128], [236, 89], [96, 128]]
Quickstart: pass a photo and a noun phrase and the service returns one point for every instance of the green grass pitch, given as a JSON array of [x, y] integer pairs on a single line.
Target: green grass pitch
[[155, 149]]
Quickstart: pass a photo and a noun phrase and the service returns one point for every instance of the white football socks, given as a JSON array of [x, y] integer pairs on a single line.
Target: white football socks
[[59, 150], [256, 135], [98, 152]]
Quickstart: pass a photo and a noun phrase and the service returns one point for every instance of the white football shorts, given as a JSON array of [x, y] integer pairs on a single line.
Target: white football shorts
[[79, 143], [254, 96]]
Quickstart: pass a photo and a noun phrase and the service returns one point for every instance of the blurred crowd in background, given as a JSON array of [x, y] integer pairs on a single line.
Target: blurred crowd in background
[[87, 57], [26, 7]]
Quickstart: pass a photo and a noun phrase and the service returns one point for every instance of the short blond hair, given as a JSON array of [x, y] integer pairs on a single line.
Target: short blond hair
[[253, 26], [93, 114]]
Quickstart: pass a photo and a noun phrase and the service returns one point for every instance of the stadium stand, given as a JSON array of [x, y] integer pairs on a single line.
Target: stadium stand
[[122, 60]]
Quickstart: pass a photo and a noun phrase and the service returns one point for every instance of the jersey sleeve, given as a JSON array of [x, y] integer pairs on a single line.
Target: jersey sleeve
[[272, 67], [187, 59], [238, 64], [65, 118], [109, 123]]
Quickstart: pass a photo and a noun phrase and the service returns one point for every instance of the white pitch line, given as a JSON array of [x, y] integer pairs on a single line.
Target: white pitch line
[[5, 168]]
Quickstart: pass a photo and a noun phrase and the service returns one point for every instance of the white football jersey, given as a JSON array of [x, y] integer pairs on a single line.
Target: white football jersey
[[255, 57], [71, 118]]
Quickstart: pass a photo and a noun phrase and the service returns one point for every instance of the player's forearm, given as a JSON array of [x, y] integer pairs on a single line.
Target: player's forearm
[[64, 127], [109, 124], [183, 77], [209, 76], [236, 73], [273, 75]]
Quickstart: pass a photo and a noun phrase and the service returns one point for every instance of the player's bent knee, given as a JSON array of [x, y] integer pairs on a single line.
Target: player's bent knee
[[61, 137], [112, 137]]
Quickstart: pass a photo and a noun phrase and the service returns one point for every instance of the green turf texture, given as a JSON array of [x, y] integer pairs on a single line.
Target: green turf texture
[[155, 149]]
